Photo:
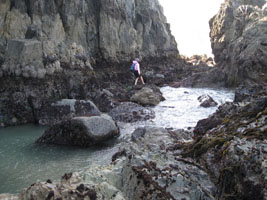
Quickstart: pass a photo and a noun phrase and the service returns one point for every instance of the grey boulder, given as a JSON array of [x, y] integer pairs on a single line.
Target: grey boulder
[[206, 101], [146, 96], [66, 109], [81, 131]]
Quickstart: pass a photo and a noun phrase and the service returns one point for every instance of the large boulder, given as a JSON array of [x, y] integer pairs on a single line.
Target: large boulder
[[206, 101], [146, 96], [81, 131], [238, 40], [131, 112], [66, 109]]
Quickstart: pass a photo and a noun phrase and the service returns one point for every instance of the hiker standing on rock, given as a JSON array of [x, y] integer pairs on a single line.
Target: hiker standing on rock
[[137, 72]]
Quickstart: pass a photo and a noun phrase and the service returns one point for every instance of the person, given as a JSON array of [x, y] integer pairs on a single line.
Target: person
[[137, 72]]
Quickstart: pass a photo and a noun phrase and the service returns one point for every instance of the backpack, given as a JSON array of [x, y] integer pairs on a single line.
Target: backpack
[[133, 67]]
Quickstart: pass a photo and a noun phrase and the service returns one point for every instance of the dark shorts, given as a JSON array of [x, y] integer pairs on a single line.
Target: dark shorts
[[136, 74]]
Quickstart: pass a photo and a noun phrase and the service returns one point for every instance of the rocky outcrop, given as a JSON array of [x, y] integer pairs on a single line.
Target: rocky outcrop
[[231, 145], [212, 121], [106, 100], [249, 92], [237, 35], [199, 60], [212, 77], [81, 131], [238, 40]]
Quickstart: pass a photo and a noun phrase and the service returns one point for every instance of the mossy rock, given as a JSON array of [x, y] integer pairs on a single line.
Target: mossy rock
[[201, 146]]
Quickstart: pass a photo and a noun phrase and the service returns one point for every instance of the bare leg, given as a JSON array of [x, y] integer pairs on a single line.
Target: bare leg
[[141, 77], [136, 80]]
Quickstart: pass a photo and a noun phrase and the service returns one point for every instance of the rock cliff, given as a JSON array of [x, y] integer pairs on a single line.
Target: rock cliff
[[79, 32], [238, 40]]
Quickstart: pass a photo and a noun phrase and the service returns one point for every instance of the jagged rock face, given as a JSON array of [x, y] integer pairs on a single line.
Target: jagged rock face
[[129, 26], [238, 40], [78, 32]]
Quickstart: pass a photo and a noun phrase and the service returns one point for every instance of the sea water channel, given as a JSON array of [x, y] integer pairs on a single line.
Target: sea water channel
[[22, 162]]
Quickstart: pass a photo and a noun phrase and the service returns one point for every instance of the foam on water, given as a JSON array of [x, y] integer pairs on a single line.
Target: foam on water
[[181, 109]]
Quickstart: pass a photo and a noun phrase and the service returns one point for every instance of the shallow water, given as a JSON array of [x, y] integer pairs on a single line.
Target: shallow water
[[22, 162]]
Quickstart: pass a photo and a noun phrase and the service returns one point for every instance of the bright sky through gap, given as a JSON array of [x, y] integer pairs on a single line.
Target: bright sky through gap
[[189, 21]]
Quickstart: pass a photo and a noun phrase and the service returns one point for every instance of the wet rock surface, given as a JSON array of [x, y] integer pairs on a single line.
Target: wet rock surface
[[68, 188], [230, 144], [250, 91], [206, 101], [131, 112]]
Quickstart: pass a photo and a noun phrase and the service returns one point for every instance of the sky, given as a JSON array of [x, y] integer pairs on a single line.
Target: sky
[[189, 21]]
